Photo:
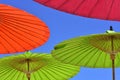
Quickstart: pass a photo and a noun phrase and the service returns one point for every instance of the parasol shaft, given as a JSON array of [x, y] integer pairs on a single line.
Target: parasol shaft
[[28, 78], [112, 55], [113, 69], [28, 73]]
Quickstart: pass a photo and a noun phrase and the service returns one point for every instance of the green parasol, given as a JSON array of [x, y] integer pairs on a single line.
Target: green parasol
[[95, 51], [35, 66]]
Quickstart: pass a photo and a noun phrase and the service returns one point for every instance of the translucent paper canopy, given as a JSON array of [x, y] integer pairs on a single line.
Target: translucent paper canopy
[[41, 67], [90, 51], [20, 31], [100, 9]]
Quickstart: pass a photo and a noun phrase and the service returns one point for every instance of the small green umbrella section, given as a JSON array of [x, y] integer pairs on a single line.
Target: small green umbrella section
[[35, 66], [90, 51]]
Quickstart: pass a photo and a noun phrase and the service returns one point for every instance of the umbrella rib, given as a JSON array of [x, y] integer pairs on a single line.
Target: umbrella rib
[[15, 75], [77, 51], [100, 44], [55, 65], [84, 55], [37, 68], [7, 41], [116, 61], [23, 75], [26, 21], [12, 76], [58, 69], [105, 60], [67, 49], [82, 48], [7, 69], [67, 55], [14, 14], [91, 11], [13, 65], [118, 56], [97, 59], [11, 71], [33, 75], [53, 71], [4, 45], [80, 4], [46, 1], [19, 68], [18, 21], [29, 21], [45, 74], [49, 73], [34, 71], [39, 74], [118, 45], [65, 1], [110, 9], [63, 67], [20, 38], [18, 76], [15, 41], [28, 29], [29, 33], [87, 62]]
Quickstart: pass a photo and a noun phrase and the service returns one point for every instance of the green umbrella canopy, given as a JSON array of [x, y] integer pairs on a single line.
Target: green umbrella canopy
[[35, 66], [95, 51], [91, 50]]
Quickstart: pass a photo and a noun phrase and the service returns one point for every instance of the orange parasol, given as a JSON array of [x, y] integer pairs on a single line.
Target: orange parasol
[[20, 31]]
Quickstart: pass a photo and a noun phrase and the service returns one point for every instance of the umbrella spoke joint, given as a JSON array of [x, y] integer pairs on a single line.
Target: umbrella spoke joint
[[112, 56]]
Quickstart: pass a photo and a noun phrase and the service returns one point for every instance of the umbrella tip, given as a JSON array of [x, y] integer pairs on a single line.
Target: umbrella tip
[[28, 53], [111, 28]]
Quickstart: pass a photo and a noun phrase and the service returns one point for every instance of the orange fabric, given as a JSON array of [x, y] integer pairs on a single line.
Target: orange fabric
[[20, 31]]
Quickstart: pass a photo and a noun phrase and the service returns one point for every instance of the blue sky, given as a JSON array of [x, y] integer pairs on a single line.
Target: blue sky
[[65, 26]]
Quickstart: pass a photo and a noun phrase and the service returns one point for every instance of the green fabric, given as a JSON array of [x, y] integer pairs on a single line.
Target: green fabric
[[90, 51], [42, 67]]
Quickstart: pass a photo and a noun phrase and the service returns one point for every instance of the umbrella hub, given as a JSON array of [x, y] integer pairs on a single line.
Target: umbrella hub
[[108, 43], [23, 66]]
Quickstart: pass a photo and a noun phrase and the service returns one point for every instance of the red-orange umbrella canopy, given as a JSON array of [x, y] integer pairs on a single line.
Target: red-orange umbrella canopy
[[101, 9], [20, 31]]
